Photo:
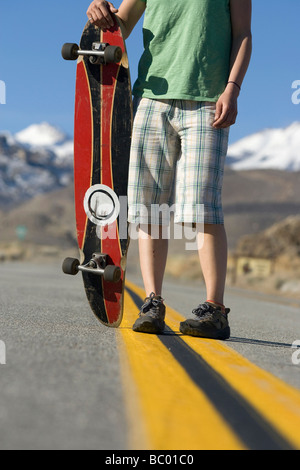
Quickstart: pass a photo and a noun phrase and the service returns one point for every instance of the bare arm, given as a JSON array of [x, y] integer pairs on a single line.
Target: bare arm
[[129, 13], [241, 14]]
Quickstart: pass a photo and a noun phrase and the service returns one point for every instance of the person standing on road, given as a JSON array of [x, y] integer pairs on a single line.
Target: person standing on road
[[196, 55]]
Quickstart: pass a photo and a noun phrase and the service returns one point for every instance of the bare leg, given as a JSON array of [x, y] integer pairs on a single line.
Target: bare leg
[[153, 258], [213, 252]]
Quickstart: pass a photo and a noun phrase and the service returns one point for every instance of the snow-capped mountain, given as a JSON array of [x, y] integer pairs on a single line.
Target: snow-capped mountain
[[43, 136], [36, 160], [269, 149], [40, 135]]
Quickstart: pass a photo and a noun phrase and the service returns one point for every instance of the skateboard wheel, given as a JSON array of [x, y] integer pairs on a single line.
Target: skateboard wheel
[[112, 274], [112, 54], [70, 266], [70, 51]]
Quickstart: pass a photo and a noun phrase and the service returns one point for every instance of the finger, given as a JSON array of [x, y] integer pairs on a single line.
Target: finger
[[222, 119], [232, 119], [229, 121], [93, 15], [224, 125], [107, 19], [89, 14], [112, 8], [100, 16], [218, 112]]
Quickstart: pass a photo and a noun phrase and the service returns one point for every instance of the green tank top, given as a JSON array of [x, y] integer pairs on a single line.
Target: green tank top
[[187, 45]]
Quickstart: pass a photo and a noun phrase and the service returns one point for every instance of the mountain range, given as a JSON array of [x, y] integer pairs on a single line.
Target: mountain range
[[39, 159], [277, 149]]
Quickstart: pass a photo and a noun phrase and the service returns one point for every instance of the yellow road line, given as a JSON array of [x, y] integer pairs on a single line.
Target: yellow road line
[[276, 401], [167, 410]]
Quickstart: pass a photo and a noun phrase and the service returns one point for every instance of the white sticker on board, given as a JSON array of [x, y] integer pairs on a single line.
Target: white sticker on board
[[101, 205]]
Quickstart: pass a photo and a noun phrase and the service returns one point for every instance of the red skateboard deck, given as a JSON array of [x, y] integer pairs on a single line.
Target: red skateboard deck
[[102, 137]]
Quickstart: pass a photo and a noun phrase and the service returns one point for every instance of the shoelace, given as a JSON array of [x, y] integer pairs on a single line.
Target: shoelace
[[203, 310], [151, 301]]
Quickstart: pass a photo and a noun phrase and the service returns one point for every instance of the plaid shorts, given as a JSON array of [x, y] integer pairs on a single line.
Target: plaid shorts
[[177, 160]]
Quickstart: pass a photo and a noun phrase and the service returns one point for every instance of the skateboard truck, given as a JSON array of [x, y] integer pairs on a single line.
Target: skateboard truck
[[101, 53], [97, 266]]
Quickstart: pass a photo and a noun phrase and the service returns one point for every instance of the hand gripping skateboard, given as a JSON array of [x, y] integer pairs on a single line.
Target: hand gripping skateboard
[[102, 135]]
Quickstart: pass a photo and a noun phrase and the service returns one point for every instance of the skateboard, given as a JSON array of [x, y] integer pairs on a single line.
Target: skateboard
[[102, 137]]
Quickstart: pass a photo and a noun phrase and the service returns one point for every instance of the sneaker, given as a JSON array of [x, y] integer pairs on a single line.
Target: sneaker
[[152, 316], [208, 322]]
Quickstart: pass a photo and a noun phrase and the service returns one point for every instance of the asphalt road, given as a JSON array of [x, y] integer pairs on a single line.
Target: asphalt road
[[263, 327], [61, 385]]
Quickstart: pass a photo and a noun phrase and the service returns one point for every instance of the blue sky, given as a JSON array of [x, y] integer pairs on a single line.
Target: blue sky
[[40, 85]]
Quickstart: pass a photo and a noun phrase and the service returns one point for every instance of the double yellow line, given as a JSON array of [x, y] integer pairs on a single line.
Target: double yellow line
[[190, 394]]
